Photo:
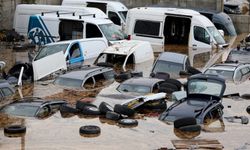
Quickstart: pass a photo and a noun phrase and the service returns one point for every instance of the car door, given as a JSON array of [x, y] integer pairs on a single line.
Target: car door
[[75, 53]]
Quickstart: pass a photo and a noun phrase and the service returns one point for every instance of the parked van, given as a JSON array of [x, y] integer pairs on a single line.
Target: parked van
[[116, 11], [68, 54], [50, 27], [24, 11], [172, 29]]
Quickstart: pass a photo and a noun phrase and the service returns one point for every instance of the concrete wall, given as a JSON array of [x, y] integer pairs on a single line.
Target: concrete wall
[[241, 23]]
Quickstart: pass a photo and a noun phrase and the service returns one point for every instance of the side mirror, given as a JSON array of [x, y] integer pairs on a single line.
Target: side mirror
[[222, 33]]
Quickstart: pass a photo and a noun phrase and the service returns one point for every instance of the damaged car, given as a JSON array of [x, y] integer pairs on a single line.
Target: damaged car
[[203, 101]]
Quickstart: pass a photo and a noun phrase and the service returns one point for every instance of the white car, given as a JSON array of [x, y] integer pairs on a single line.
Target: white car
[[234, 72]]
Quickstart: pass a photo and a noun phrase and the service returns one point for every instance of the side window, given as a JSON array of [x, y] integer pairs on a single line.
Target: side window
[[89, 83], [238, 76], [69, 30], [114, 17], [245, 72], [147, 28], [6, 92], [200, 34], [92, 31], [75, 51]]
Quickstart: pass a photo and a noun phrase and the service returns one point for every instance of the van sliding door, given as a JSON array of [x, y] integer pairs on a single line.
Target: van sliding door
[[148, 30], [176, 33]]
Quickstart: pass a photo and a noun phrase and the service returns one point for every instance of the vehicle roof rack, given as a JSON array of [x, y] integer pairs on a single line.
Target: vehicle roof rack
[[58, 13], [80, 16]]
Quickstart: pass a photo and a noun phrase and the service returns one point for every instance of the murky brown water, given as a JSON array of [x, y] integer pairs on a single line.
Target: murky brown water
[[61, 132]]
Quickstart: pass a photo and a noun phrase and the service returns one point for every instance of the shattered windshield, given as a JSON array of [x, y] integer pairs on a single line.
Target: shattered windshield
[[197, 86], [49, 50], [216, 35], [112, 32]]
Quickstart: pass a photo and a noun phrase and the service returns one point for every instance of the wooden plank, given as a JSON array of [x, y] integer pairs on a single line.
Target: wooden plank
[[197, 144]]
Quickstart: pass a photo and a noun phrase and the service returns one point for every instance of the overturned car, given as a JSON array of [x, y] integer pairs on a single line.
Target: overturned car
[[203, 100]]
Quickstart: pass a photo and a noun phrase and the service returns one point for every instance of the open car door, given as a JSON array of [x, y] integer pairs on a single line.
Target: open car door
[[49, 64]]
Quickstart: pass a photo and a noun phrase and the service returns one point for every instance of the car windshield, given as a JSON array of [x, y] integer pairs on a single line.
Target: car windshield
[[68, 82], [112, 32], [216, 35], [123, 14], [228, 75], [20, 110], [170, 67], [209, 87], [50, 49], [134, 88]]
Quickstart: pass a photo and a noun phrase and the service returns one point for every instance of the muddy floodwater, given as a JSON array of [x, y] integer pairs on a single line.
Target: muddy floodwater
[[62, 132]]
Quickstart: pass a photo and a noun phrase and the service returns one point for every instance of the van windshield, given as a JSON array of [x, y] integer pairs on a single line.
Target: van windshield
[[216, 35], [123, 14], [112, 32], [49, 50]]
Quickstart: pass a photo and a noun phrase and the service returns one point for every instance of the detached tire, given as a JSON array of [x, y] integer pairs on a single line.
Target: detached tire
[[68, 109], [174, 82], [124, 110], [80, 105], [128, 122], [15, 129], [248, 109], [105, 107], [90, 129], [184, 122], [90, 110], [112, 115]]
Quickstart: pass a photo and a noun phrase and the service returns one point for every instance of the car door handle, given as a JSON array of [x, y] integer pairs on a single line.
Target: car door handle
[[194, 45]]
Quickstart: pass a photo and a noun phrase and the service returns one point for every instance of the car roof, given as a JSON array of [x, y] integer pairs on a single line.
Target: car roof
[[142, 81], [85, 72], [172, 57], [226, 66]]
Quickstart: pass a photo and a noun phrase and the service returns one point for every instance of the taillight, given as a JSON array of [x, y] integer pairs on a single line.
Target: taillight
[[129, 37]]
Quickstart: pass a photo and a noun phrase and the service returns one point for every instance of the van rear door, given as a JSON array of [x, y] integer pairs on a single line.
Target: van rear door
[[148, 30]]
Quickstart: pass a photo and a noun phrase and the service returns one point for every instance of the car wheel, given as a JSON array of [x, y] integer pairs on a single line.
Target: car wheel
[[248, 109], [105, 107], [190, 128], [174, 82], [128, 122], [68, 109], [15, 129], [90, 129], [124, 110], [112, 115], [184, 122], [90, 110], [80, 105]]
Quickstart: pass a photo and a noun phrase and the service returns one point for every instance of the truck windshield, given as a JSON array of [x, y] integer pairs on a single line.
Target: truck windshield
[[216, 35], [50, 49], [123, 14], [112, 32]]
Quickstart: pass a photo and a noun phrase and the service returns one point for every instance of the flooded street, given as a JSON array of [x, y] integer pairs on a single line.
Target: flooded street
[[62, 132]]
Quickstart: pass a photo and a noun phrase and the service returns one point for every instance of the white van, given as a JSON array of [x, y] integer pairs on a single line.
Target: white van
[[24, 11], [116, 11], [66, 55], [172, 29], [50, 27]]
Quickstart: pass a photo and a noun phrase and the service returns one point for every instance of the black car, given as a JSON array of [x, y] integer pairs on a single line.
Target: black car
[[32, 107], [203, 101]]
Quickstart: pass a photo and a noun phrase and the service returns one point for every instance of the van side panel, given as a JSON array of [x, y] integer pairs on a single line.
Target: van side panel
[[38, 31]]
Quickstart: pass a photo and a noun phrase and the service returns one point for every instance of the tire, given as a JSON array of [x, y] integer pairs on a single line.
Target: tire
[[191, 128], [105, 107], [112, 115], [248, 109], [193, 70], [80, 105], [68, 109], [15, 129], [169, 85], [174, 82], [245, 96], [90, 110], [124, 110], [128, 122], [90, 129], [184, 122]]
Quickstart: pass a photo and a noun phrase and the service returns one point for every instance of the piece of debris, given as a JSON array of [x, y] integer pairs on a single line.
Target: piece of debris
[[197, 144]]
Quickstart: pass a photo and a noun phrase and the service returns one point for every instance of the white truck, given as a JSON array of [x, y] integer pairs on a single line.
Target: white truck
[[50, 27], [116, 11], [173, 29], [24, 11]]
